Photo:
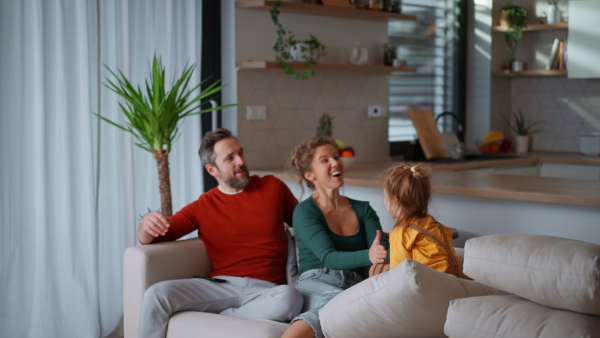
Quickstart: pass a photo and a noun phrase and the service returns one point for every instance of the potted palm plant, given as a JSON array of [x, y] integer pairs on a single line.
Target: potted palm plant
[[153, 116], [515, 18], [291, 50], [523, 129]]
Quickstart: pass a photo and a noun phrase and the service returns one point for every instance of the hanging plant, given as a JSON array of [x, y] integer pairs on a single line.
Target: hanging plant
[[516, 22], [153, 117], [289, 49]]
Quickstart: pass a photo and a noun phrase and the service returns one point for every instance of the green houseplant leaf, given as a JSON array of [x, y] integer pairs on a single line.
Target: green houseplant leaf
[[521, 126], [286, 40], [516, 23], [153, 115]]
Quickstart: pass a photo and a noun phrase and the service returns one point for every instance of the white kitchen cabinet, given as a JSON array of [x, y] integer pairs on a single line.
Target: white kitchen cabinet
[[580, 172], [584, 39]]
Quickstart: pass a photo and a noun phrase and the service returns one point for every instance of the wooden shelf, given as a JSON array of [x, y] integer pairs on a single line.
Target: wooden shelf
[[532, 72], [311, 9], [536, 27], [321, 66]]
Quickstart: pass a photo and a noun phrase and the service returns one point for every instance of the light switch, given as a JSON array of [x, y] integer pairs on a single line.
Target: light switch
[[256, 113]]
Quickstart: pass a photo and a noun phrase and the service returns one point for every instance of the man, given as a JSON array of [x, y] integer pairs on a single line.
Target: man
[[241, 223]]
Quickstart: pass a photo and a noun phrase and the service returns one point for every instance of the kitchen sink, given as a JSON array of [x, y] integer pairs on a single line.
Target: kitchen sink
[[471, 158]]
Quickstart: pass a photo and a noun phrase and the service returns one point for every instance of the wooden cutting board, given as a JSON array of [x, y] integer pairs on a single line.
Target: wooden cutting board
[[429, 135]]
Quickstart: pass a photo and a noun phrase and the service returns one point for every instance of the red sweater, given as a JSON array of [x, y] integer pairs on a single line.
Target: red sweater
[[243, 233]]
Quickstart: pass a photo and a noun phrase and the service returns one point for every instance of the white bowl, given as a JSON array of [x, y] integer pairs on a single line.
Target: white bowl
[[347, 161]]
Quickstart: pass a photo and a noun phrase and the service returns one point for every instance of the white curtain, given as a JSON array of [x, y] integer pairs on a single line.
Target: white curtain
[[71, 187]]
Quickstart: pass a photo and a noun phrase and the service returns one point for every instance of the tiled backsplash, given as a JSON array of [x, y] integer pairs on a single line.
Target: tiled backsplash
[[295, 106], [568, 108]]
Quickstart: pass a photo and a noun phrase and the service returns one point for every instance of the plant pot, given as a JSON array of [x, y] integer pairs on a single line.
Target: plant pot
[[300, 52], [553, 15], [504, 18], [522, 144], [516, 66]]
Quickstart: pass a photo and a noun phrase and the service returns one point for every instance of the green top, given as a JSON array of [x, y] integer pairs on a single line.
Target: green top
[[320, 247]]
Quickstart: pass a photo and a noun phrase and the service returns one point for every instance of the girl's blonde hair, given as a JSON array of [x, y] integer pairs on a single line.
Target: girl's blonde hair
[[408, 185], [302, 157]]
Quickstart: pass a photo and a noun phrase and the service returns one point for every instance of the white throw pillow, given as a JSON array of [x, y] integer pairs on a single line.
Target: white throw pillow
[[410, 300], [513, 316], [555, 272]]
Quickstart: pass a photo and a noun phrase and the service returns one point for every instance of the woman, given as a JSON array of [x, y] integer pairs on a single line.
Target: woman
[[336, 236]]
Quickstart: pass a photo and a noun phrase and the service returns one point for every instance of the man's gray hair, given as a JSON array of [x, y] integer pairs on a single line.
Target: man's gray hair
[[207, 148]]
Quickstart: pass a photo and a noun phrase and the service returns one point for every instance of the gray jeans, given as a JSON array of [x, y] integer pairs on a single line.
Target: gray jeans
[[239, 297], [318, 287]]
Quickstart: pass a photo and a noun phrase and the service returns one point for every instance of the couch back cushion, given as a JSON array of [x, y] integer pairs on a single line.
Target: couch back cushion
[[410, 300], [556, 272], [513, 316]]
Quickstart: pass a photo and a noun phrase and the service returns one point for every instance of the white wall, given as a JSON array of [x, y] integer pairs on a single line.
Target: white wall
[[294, 106]]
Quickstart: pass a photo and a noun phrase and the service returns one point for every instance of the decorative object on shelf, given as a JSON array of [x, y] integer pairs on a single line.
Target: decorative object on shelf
[[399, 63], [524, 130], [308, 51], [338, 3], [557, 55], [516, 17], [358, 55], [153, 118], [553, 14], [389, 54]]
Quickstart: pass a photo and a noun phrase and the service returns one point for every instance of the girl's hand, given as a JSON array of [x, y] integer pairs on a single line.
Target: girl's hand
[[377, 252]]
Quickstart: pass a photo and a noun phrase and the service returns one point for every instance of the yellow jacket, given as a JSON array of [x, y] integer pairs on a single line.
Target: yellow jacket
[[410, 243]]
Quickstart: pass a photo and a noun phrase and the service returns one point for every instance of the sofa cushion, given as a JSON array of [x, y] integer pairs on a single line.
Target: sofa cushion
[[555, 272], [410, 300], [513, 316], [185, 324]]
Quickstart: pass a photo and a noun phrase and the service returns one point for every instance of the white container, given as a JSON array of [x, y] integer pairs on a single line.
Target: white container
[[522, 144], [553, 15], [589, 144]]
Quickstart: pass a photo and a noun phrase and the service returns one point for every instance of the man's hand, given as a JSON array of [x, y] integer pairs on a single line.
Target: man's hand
[[153, 224], [377, 252]]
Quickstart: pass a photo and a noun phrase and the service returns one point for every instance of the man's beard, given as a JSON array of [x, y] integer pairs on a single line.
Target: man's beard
[[238, 183]]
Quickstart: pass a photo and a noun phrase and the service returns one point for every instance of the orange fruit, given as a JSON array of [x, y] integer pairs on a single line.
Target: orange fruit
[[346, 153]]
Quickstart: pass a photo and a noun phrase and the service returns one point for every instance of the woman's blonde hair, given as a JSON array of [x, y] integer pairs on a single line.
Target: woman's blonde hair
[[408, 185], [302, 157]]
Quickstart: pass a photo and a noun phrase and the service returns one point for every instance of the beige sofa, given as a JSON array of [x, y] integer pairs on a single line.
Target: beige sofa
[[412, 300], [149, 264]]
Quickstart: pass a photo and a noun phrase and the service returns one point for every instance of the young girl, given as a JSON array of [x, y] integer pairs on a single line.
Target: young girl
[[416, 235]]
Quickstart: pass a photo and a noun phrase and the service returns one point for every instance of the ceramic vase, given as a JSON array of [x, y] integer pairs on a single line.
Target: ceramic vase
[[300, 52], [522, 144], [553, 15], [516, 66]]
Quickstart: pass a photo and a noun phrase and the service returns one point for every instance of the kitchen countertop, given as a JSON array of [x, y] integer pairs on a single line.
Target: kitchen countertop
[[449, 178]]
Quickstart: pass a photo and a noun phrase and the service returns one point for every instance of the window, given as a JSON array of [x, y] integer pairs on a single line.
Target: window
[[434, 44]]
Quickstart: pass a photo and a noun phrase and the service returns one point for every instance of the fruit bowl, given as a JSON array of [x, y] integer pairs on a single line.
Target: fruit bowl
[[347, 161]]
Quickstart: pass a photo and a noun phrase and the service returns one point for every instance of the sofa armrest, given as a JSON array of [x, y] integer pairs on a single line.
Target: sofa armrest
[[148, 264]]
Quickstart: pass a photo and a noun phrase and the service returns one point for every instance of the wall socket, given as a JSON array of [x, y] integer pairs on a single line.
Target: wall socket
[[256, 113], [375, 111]]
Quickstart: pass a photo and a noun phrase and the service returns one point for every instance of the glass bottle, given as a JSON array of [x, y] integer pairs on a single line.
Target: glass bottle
[[389, 54]]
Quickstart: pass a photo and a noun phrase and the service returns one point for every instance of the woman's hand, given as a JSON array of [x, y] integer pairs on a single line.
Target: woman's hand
[[377, 252]]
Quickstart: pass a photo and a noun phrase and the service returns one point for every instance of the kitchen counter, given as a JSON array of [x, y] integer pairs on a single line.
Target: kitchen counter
[[451, 179]]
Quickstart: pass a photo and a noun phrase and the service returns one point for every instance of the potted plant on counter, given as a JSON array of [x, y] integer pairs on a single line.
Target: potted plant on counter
[[524, 129], [291, 50], [515, 17]]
